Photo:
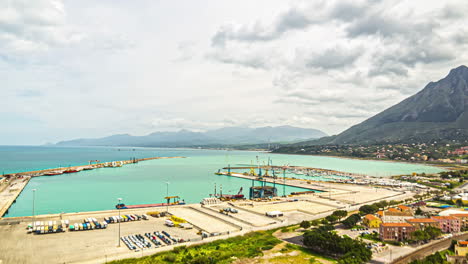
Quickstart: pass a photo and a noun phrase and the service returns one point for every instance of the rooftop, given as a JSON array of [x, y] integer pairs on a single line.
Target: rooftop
[[404, 207], [371, 217], [396, 225], [447, 217], [421, 220]]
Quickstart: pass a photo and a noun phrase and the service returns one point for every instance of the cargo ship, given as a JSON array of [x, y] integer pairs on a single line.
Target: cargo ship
[[168, 203], [71, 171]]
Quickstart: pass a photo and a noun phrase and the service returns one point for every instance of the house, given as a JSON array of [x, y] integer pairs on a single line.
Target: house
[[422, 223], [448, 224], [371, 221], [404, 208], [460, 151], [463, 220], [396, 216], [461, 248], [395, 231]]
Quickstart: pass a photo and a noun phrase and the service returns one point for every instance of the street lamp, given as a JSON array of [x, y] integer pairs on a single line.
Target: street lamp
[[167, 195], [120, 201], [33, 213]]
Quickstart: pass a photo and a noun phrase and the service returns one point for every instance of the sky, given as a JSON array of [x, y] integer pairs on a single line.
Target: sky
[[78, 69]]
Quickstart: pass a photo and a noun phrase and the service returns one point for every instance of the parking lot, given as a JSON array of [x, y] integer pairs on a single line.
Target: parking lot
[[17, 246]]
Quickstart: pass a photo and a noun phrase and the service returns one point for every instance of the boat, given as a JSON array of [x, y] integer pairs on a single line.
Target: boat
[[70, 171], [136, 206], [88, 168], [52, 173]]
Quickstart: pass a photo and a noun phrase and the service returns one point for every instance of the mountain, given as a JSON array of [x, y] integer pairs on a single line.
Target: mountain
[[439, 112], [220, 137]]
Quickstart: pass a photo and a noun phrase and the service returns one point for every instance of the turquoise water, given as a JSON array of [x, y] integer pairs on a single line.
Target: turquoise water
[[192, 178]]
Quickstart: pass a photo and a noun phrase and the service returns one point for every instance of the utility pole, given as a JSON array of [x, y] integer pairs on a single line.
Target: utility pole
[[33, 212], [167, 195], [120, 201]]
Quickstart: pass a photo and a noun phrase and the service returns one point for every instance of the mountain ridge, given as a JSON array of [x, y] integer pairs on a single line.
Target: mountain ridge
[[438, 112], [187, 138]]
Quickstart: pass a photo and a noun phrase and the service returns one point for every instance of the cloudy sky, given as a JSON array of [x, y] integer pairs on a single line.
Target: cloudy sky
[[72, 69]]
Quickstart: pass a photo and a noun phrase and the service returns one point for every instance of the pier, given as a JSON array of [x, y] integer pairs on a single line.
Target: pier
[[9, 191], [296, 168], [83, 167]]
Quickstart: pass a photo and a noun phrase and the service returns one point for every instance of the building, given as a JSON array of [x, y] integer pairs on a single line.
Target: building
[[395, 231], [404, 208], [422, 223], [461, 248], [448, 224], [463, 220], [262, 192], [460, 151], [371, 221], [396, 216]]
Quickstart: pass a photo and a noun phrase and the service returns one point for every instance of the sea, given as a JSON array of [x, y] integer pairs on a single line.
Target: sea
[[192, 178]]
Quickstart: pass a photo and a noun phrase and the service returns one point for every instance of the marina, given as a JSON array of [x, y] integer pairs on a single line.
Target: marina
[[155, 205], [149, 182]]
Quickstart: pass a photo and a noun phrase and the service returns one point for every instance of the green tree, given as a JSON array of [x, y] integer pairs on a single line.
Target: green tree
[[351, 221], [459, 202], [433, 232], [315, 222], [340, 214], [331, 218], [419, 235], [418, 211], [368, 209], [305, 224]]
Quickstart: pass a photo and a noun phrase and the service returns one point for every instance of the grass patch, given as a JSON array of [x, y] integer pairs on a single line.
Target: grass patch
[[221, 251]]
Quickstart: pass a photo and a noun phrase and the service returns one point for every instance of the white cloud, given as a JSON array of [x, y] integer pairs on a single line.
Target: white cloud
[[87, 68]]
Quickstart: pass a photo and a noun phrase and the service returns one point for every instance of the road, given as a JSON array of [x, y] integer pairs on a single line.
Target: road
[[429, 249]]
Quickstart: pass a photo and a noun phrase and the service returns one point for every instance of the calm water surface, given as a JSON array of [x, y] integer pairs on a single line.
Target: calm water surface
[[191, 178]]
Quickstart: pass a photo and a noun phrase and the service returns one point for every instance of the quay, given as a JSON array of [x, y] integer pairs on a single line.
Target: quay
[[82, 167], [296, 168], [9, 191], [301, 183], [11, 185]]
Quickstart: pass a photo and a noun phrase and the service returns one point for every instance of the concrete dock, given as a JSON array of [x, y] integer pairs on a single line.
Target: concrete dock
[[81, 167], [9, 191], [296, 168]]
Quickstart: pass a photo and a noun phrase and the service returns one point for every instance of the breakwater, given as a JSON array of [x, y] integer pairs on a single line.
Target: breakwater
[[79, 168]]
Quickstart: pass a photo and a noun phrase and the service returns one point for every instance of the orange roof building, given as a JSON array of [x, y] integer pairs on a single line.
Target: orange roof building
[[421, 223], [404, 208], [395, 231], [448, 224], [371, 221]]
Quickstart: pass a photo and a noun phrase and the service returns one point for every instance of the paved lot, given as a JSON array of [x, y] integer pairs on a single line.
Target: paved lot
[[16, 246], [310, 207], [205, 222], [253, 219]]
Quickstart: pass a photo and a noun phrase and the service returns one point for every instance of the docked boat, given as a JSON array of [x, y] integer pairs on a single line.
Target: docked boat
[[52, 173], [70, 171], [136, 206]]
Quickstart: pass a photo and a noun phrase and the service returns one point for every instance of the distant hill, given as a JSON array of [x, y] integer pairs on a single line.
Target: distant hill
[[218, 137], [439, 112]]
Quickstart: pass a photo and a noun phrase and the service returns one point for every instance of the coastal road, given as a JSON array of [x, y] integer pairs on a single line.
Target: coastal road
[[429, 249]]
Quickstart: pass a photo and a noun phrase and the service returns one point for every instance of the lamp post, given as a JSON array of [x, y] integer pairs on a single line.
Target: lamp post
[[167, 195], [33, 213], [120, 201]]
